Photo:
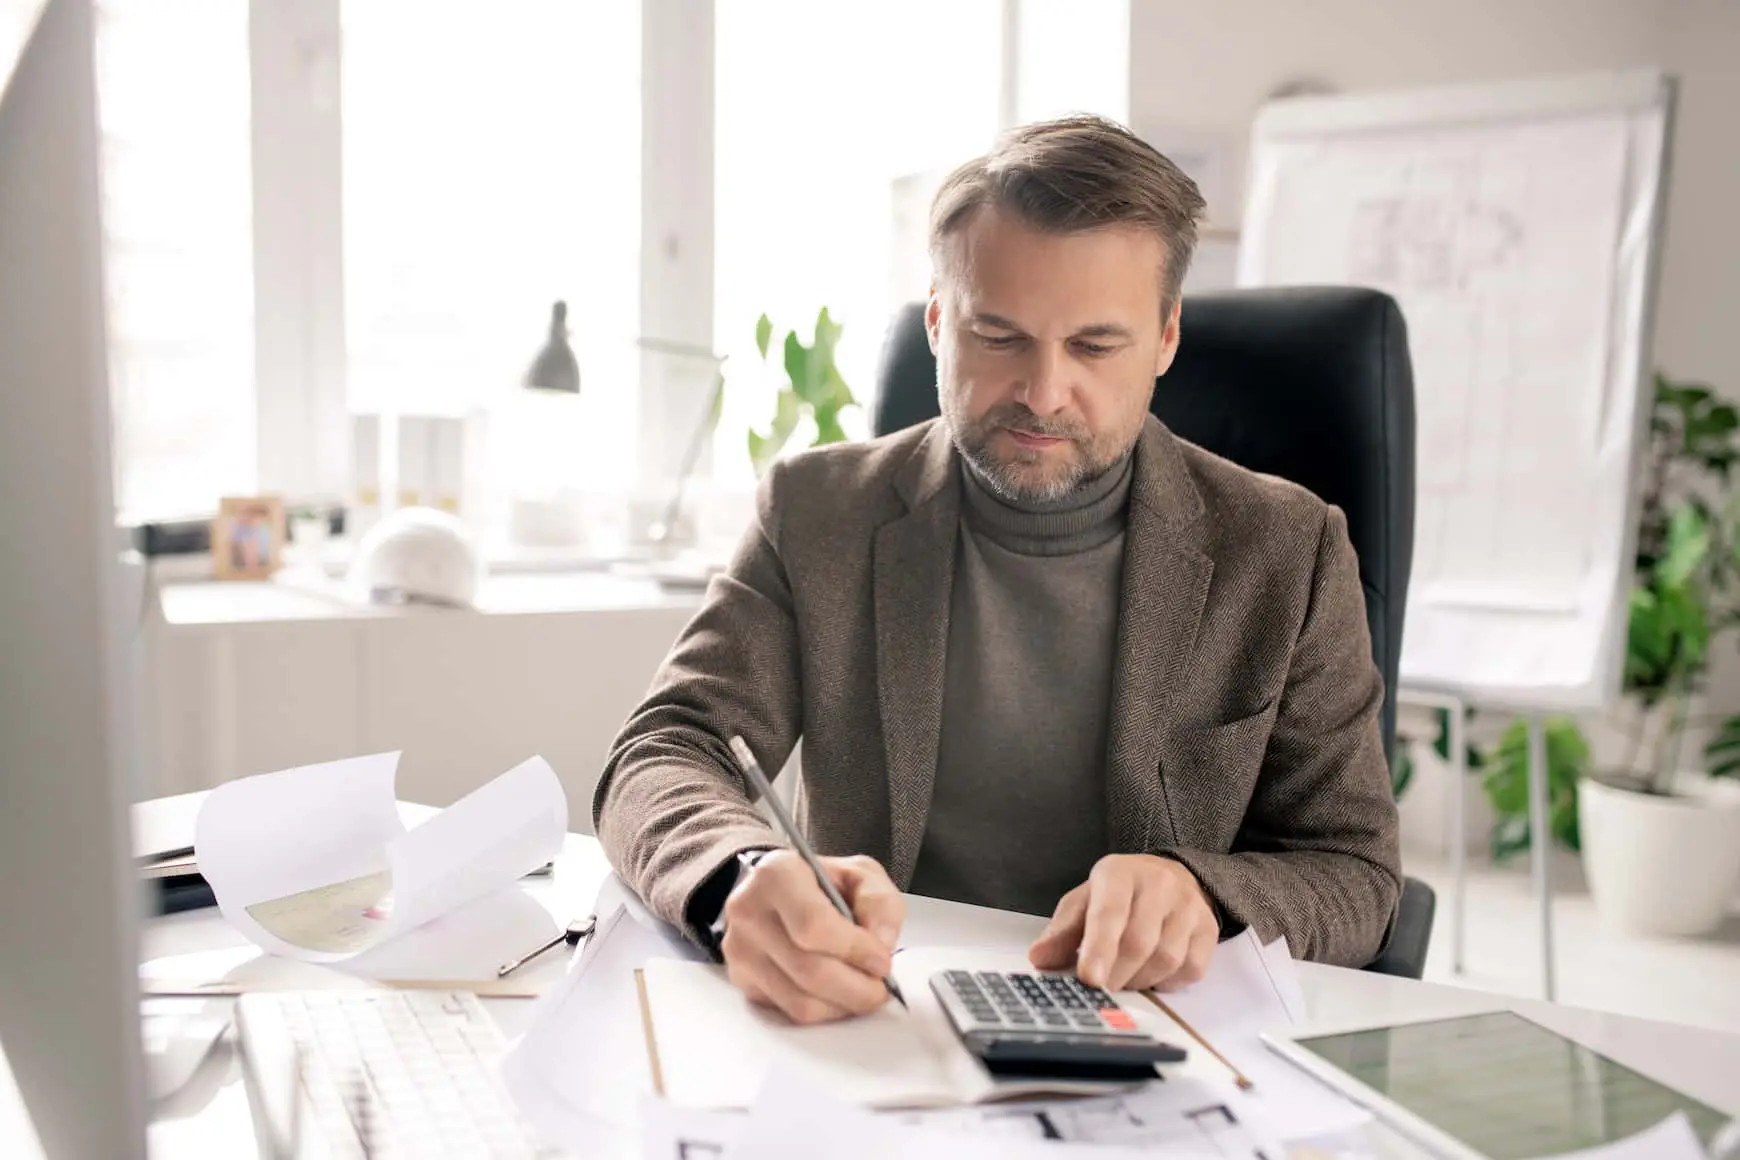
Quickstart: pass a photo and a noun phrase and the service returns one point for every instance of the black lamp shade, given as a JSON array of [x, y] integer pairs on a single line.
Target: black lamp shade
[[555, 368]]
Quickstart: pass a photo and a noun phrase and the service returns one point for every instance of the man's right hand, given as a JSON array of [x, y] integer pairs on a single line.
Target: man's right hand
[[787, 947]]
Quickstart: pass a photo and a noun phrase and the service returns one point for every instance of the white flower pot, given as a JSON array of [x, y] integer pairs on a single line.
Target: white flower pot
[[1661, 866]]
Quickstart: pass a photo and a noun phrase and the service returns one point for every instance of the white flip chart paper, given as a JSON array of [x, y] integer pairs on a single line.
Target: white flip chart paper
[[1515, 227]]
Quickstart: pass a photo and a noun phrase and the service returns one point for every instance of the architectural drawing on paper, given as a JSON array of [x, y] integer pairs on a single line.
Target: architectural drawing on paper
[[1516, 227], [1149, 1118]]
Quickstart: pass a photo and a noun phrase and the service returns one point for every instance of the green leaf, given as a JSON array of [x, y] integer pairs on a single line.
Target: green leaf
[[1510, 837], [799, 368], [763, 332], [787, 413], [828, 429], [1686, 398], [1722, 753], [1722, 418], [1401, 772], [1506, 781], [827, 334], [1688, 545], [837, 392]]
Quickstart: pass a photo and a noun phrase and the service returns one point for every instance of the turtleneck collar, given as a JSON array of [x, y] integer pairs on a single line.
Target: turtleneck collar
[[1084, 519]]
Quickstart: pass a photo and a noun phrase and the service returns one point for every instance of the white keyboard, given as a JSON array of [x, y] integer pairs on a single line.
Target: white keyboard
[[383, 1073]]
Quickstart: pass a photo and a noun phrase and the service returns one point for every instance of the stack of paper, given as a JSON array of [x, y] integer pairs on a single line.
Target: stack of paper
[[315, 864], [638, 993], [714, 1049], [645, 1050]]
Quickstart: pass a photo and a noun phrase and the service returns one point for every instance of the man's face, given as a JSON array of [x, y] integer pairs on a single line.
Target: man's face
[[1047, 349]]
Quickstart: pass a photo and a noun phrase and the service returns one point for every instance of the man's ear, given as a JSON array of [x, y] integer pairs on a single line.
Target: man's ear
[[933, 320], [1168, 340]]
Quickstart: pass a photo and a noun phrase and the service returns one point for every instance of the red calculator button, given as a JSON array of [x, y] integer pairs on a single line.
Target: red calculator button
[[1117, 1018]]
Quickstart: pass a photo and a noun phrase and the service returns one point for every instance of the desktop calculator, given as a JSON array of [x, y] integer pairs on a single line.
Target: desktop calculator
[[1047, 1025]]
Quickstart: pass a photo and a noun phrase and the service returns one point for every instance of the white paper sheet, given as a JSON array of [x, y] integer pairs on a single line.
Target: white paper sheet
[[668, 1132], [314, 863], [1187, 1112], [794, 1118], [581, 1069], [716, 1048], [1284, 976], [1250, 989]]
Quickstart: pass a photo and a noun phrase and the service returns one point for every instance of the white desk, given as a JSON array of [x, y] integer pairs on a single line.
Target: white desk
[[212, 1118]]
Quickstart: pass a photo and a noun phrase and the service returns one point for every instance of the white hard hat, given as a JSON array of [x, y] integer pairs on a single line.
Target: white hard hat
[[417, 555]]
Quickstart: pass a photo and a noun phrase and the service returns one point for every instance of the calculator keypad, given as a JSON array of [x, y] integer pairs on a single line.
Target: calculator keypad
[[1014, 1001]]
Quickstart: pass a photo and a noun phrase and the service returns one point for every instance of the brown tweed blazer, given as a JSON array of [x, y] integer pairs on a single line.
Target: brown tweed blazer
[[1243, 738]]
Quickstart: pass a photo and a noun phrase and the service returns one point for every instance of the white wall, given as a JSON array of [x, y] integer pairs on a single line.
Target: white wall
[[1197, 68]]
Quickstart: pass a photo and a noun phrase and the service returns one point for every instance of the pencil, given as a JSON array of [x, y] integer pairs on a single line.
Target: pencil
[[752, 770], [1239, 1079]]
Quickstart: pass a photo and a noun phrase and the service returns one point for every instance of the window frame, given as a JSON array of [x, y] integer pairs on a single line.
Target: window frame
[[303, 416], [303, 430]]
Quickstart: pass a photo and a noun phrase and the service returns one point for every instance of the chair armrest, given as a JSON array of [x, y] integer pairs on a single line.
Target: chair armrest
[[1406, 954]]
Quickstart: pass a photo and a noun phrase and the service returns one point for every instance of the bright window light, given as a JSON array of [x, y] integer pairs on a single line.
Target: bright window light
[[491, 168], [172, 83]]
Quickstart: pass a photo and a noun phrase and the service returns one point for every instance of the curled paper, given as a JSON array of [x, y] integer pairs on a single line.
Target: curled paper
[[314, 863]]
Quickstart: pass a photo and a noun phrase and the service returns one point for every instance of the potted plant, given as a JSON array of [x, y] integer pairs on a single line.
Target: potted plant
[[813, 387], [1660, 841]]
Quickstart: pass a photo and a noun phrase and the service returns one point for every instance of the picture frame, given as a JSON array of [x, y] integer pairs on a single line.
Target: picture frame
[[247, 537]]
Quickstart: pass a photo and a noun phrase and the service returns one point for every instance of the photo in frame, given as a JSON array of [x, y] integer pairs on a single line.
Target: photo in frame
[[247, 538]]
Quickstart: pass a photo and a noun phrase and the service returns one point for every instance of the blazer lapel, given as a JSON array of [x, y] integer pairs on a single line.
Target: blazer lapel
[[1165, 587], [914, 563]]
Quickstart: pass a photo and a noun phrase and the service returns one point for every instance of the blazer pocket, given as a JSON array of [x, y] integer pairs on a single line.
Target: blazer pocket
[[1249, 733], [1210, 773]]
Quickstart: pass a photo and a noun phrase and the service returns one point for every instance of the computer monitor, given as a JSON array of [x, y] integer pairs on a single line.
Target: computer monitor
[[69, 1014]]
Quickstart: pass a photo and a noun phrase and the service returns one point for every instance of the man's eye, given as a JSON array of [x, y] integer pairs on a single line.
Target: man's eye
[[999, 341], [1094, 349]]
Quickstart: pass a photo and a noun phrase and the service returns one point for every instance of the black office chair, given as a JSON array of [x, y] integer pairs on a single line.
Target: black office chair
[[1312, 384]]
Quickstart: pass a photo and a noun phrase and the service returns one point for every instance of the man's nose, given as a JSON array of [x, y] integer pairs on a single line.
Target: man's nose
[[1046, 388]]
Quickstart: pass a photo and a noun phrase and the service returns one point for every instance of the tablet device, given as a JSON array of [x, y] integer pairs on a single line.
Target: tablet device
[[1490, 1086]]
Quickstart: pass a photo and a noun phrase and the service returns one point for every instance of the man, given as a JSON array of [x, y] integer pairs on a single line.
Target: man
[[1042, 654]]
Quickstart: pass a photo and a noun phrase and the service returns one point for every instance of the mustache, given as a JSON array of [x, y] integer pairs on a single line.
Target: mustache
[[1018, 418]]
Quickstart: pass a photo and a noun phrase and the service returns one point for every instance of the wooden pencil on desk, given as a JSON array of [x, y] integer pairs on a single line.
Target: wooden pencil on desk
[[1239, 1079]]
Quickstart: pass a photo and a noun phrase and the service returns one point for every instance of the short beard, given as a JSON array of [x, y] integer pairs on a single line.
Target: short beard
[[973, 440]]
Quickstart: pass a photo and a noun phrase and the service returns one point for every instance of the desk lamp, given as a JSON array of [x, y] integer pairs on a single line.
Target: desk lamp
[[534, 429], [555, 368]]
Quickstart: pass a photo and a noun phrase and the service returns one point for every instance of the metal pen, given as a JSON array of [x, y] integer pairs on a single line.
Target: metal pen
[[752, 770]]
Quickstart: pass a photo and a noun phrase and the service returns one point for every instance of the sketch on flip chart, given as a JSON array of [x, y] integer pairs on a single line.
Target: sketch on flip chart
[[1517, 246], [1486, 248]]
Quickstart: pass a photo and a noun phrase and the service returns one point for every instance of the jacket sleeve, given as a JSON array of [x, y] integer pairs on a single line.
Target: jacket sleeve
[[1316, 858], [670, 807]]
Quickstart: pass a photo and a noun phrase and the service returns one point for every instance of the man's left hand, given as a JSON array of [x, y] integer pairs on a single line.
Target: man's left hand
[[1139, 921]]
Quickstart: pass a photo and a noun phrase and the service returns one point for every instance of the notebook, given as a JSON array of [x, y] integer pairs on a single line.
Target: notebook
[[711, 1048]]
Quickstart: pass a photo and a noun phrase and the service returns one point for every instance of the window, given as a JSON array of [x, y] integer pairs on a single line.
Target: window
[[438, 174], [492, 168], [173, 95], [833, 122]]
